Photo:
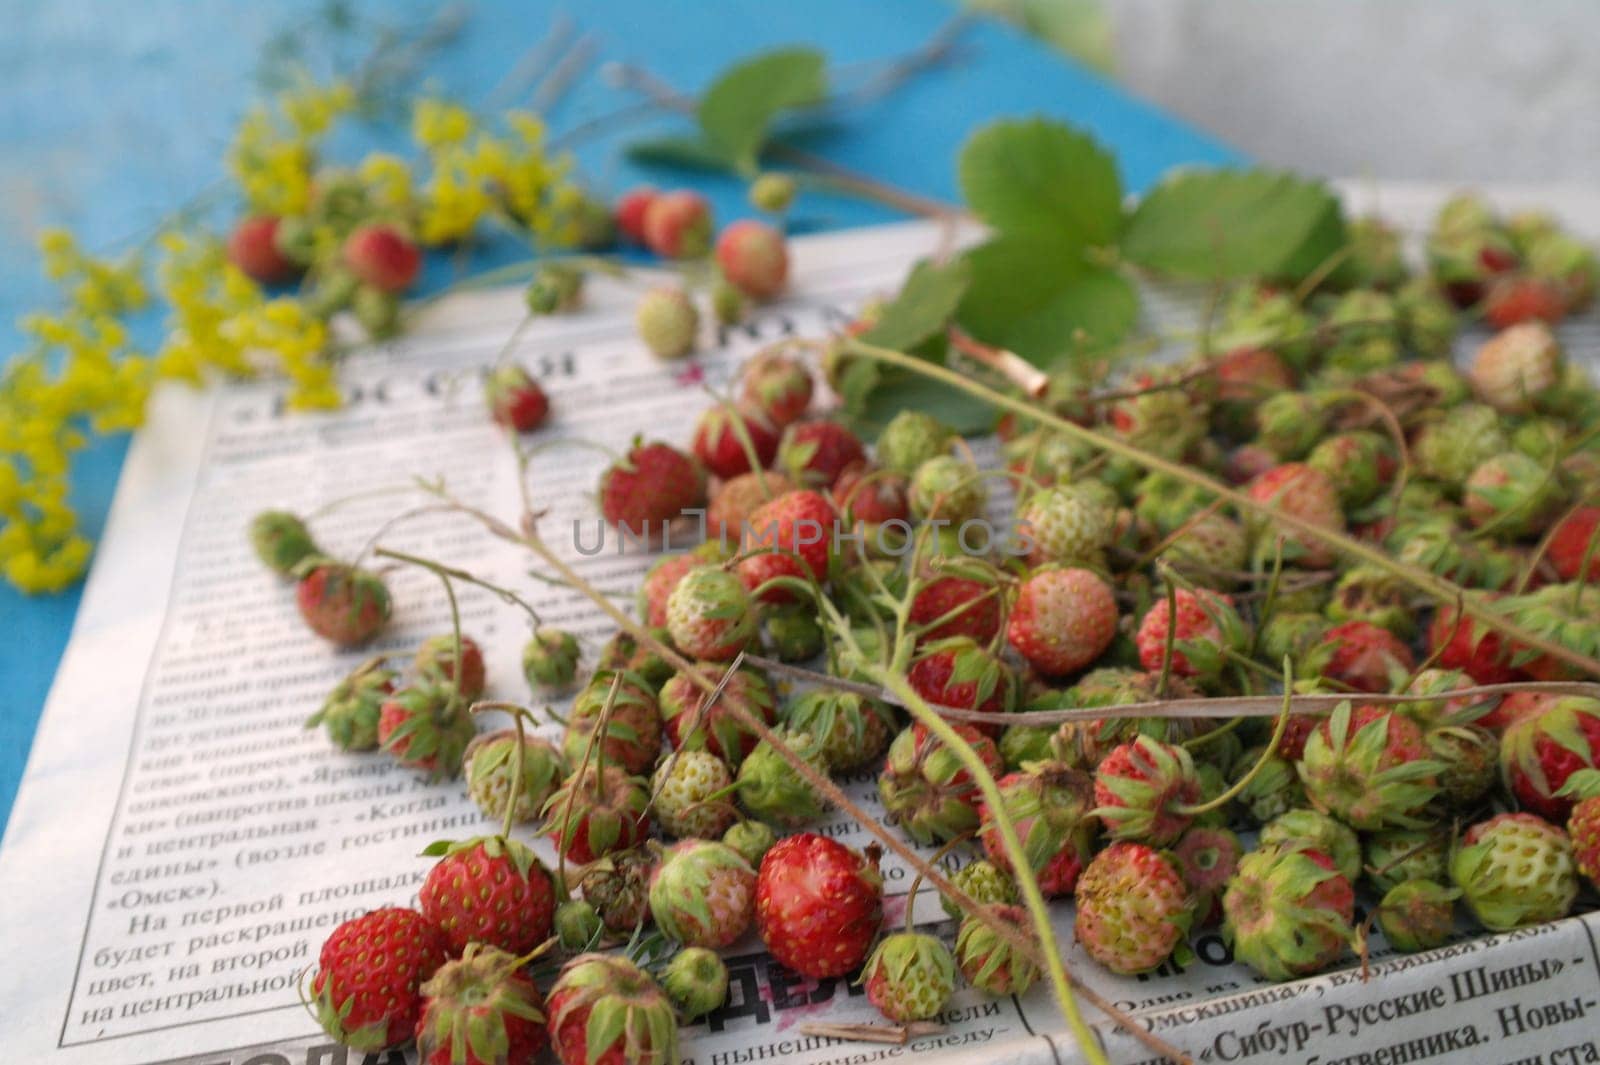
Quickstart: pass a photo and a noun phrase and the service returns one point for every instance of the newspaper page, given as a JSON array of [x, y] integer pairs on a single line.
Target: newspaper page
[[182, 845]]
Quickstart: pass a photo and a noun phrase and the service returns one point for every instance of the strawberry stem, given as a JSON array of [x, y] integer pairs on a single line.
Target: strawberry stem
[[1267, 752], [506, 594], [517, 714]]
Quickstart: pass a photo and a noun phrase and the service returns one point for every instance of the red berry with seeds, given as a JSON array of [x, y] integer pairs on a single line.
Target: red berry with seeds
[[754, 258], [383, 257], [814, 453], [1575, 543], [489, 890], [1142, 790], [721, 728], [515, 399], [605, 1010], [710, 614], [366, 993], [925, 787], [1051, 805], [871, 495], [426, 727], [253, 248], [1206, 624], [342, 604], [819, 904], [1364, 657], [735, 500], [677, 225], [435, 662], [1542, 750], [597, 812], [1134, 909], [1515, 298], [777, 385], [727, 442], [1370, 768], [790, 536], [1306, 493], [481, 1010], [960, 605], [1288, 912], [1470, 646], [959, 672], [1583, 826], [702, 894], [653, 484], [632, 206], [1063, 620], [632, 737]]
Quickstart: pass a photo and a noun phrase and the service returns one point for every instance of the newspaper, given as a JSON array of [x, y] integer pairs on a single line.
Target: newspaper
[[181, 845]]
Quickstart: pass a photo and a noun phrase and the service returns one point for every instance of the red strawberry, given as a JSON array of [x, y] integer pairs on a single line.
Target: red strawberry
[[1540, 751], [777, 385], [426, 727], [435, 662], [1292, 744], [1573, 542], [753, 258], [925, 787], [481, 1010], [1365, 657], [1134, 909], [1469, 646], [654, 483], [1288, 912], [605, 1010], [1206, 623], [1370, 768], [814, 453], [818, 904], [967, 608], [383, 257], [658, 584], [515, 399], [1514, 707], [1247, 462], [710, 614], [1583, 825], [793, 537], [1515, 298], [735, 500], [253, 248], [632, 206], [677, 225], [632, 737], [719, 441], [1050, 804], [873, 495], [595, 813], [1245, 377], [365, 993], [718, 730], [1063, 620], [701, 894], [342, 604], [489, 890], [1141, 789], [1307, 493], [958, 672]]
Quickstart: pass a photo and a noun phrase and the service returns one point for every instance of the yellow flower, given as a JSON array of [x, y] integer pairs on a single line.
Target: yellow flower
[[388, 180], [437, 124]]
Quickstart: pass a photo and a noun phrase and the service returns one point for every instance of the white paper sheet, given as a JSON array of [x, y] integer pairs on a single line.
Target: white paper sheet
[[181, 845]]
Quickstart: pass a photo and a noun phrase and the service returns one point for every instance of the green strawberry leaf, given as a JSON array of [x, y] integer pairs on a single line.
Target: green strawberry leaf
[[1228, 224], [1029, 295], [924, 306], [870, 408], [1042, 179], [687, 153], [737, 110]]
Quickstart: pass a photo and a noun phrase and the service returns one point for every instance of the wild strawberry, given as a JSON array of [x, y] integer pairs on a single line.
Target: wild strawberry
[[1541, 751], [550, 659], [754, 258], [1393, 857], [481, 1010], [490, 765], [959, 673], [677, 225], [632, 737], [1063, 620], [1207, 857], [382, 256], [281, 541], [794, 634], [752, 839], [1305, 493], [702, 894], [1206, 627], [1158, 417], [1515, 368], [618, 887], [790, 536], [605, 1010], [667, 322], [691, 789], [1288, 913], [488, 890], [1567, 615], [735, 500], [991, 963], [1448, 449], [1291, 423], [773, 790], [911, 438], [984, 883], [366, 991], [871, 495], [595, 812], [1274, 790], [555, 288], [1583, 824], [1515, 870], [253, 248], [1370, 768], [1067, 524], [947, 488], [729, 443], [1246, 376], [1303, 829], [515, 400], [344, 605], [853, 729], [1512, 494], [1360, 463], [1210, 548], [1049, 804], [1513, 707], [1134, 910], [1418, 915], [1469, 756], [1363, 657], [632, 206], [1142, 790], [350, 712], [656, 588], [720, 729], [710, 614], [1575, 542], [1515, 298], [927, 790], [696, 980], [435, 662], [956, 606], [651, 485], [910, 976], [772, 193], [426, 727], [777, 385], [1470, 646], [813, 453], [818, 904]]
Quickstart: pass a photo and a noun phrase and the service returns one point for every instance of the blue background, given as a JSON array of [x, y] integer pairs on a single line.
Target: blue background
[[112, 115]]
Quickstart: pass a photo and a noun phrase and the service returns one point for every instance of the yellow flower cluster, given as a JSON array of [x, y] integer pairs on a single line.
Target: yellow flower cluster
[[274, 153]]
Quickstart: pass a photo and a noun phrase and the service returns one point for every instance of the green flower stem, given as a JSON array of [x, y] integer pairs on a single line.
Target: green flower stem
[[517, 714], [1474, 605], [505, 594], [1266, 752]]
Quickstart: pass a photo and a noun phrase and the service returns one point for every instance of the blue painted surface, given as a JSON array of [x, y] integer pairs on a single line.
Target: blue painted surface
[[111, 115]]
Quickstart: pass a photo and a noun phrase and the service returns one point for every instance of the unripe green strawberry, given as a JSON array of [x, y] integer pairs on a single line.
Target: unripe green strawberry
[[990, 962], [426, 727], [490, 764], [1272, 791], [1374, 595], [578, 926], [1394, 856], [853, 729], [377, 311], [624, 652], [925, 787], [728, 304], [689, 789], [910, 439], [555, 287], [281, 541], [667, 322], [948, 488], [795, 633], [910, 977], [1469, 756], [1516, 368], [1360, 463], [1428, 321], [1418, 915], [1512, 495], [350, 712], [1309, 829], [752, 839], [702, 894], [772, 790], [772, 193], [1067, 525], [1134, 910], [1159, 418], [1288, 913], [1291, 423], [435, 662], [1265, 317], [696, 980], [1451, 447], [1375, 258], [1364, 329], [984, 883], [550, 659], [1515, 870], [1211, 546], [710, 614], [1166, 502]]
